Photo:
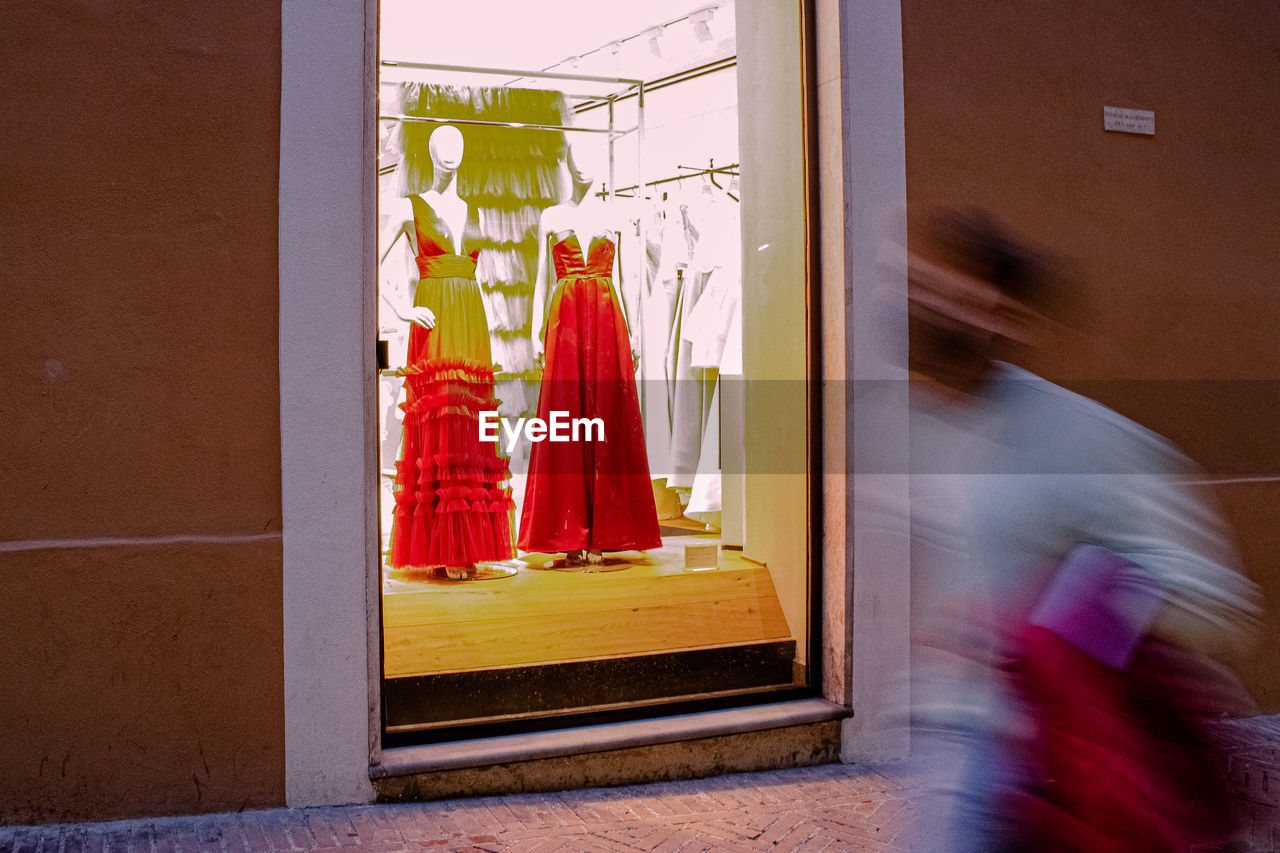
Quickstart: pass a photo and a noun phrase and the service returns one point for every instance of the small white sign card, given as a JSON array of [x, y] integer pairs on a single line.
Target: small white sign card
[[702, 556], [1129, 121]]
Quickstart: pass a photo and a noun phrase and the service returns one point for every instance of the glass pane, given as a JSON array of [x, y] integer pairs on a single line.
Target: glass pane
[[594, 403]]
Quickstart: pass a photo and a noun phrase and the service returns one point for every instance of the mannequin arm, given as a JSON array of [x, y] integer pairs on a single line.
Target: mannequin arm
[[619, 287], [541, 287], [404, 309], [399, 224], [399, 221]]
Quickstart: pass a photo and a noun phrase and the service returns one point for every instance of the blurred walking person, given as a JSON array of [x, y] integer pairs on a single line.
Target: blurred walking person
[[1071, 586]]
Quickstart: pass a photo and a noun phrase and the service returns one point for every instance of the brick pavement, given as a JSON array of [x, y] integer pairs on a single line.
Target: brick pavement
[[832, 808]]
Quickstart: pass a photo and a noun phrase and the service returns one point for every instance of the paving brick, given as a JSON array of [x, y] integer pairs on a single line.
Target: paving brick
[[94, 839], [72, 841], [374, 828], [250, 833], [553, 812], [142, 838], [652, 808], [234, 839], [525, 810], [501, 815], [115, 839], [556, 841], [24, 840], [673, 840], [618, 841], [408, 825]]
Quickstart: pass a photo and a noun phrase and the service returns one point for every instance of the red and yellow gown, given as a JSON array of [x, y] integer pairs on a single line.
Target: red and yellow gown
[[451, 507]]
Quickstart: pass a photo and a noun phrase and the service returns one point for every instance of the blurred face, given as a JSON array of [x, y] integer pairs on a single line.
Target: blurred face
[[446, 147], [959, 322]]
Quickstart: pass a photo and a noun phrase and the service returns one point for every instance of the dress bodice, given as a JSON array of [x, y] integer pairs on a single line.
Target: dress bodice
[[437, 256], [570, 260]]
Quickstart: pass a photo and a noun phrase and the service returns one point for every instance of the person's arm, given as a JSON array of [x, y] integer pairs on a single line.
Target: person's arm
[[1131, 492], [1158, 516], [1068, 472]]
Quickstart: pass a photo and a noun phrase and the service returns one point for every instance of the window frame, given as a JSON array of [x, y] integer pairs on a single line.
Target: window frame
[[327, 247]]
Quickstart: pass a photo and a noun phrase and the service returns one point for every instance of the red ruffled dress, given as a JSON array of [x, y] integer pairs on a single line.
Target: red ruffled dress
[[451, 508], [589, 493]]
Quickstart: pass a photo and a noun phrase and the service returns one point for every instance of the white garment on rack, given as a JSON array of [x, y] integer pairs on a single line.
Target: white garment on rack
[[715, 327], [705, 501], [693, 325], [690, 387], [674, 245], [712, 318], [731, 357], [667, 256], [712, 222]]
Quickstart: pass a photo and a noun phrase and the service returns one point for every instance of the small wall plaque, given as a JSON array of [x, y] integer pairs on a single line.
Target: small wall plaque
[[1129, 121]]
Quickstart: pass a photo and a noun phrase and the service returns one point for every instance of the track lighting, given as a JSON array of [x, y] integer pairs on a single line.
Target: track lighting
[[701, 21], [654, 34]]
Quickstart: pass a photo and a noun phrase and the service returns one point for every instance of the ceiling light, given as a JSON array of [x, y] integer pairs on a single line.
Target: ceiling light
[[654, 34], [701, 21]]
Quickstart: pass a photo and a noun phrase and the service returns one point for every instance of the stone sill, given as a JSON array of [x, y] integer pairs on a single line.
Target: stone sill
[[409, 760]]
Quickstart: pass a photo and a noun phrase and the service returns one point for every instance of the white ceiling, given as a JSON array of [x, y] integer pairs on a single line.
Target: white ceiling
[[526, 34]]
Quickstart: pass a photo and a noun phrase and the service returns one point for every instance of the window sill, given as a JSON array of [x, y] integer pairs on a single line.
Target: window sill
[[404, 761]]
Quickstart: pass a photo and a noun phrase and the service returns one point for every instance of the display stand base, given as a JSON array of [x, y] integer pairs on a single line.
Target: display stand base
[[608, 564], [457, 574]]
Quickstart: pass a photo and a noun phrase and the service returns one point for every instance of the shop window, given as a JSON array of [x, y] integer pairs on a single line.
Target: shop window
[[593, 396]]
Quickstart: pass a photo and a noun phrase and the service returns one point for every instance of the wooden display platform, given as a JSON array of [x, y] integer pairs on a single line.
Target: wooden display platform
[[544, 616]]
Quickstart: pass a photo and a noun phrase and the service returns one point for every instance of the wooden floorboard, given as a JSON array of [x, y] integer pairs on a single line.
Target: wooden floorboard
[[541, 616]]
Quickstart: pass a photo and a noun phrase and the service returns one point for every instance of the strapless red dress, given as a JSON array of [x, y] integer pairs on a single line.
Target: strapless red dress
[[451, 508], [588, 493]]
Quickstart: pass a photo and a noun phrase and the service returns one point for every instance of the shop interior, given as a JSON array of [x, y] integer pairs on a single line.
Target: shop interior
[[562, 197]]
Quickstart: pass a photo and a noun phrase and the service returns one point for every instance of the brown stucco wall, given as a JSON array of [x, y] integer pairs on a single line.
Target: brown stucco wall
[[1174, 235], [140, 400]]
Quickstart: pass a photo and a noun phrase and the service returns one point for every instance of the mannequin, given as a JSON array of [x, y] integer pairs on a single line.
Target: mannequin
[[451, 511], [585, 216], [445, 148], [586, 497]]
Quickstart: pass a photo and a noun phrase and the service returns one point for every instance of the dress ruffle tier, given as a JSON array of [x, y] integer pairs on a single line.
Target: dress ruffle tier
[[451, 509]]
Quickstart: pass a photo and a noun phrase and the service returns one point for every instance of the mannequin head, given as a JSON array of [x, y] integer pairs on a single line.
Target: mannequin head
[[585, 160], [445, 148]]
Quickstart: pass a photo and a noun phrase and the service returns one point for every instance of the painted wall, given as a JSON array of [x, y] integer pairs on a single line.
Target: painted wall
[[1174, 235], [140, 556]]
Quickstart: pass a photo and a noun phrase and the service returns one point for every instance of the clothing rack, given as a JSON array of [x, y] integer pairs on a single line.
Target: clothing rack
[[514, 124], [651, 86], [631, 87], [594, 98], [509, 72], [692, 172]]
